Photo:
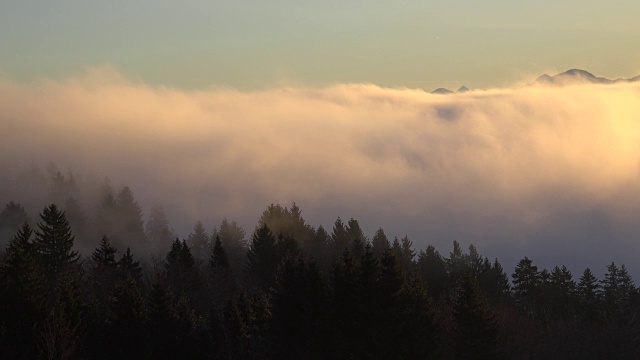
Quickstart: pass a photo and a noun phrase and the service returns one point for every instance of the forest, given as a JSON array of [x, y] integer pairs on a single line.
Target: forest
[[283, 290]]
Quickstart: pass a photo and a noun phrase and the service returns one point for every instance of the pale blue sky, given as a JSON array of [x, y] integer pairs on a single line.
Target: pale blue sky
[[260, 44]]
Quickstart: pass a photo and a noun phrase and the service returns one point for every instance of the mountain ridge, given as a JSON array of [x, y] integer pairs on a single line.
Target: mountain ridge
[[571, 76]]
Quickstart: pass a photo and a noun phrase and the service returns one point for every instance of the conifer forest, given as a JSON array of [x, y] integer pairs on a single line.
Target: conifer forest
[[283, 290]]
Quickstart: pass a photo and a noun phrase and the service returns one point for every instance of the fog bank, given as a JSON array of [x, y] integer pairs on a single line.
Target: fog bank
[[551, 173]]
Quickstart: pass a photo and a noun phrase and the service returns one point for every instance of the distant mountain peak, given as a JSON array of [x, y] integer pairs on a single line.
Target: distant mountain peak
[[573, 76], [462, 89], [441, 91]]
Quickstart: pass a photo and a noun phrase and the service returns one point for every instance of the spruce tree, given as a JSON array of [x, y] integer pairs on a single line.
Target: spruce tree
[[340, 238], [128, 267], [233, 240], [199, 241], [22, 293], [407, 254], [379, 243], [104, 256], [526, 281], [358, 239], [432, 271], [127, 316], [456, 263], [262, 258], [222, 281], [344, 283], [11, 219], [476, 330], [164, 321], [588, 290], [610, 288], [54, 242], [128, 225]]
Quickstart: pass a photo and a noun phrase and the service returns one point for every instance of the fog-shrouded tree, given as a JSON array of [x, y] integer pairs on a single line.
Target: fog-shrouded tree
[[456, 263], [358, 239], [128, 225], [157, 230], [262, 258], [77, 218], [222, 281], [199, 242], [181, 269], [12, 217], [407, 256], [288, 223], [319, 250], [379, 243], [433, 272], [105, 254], [128, 267], [54, 243], [340, 239], [235, 245]]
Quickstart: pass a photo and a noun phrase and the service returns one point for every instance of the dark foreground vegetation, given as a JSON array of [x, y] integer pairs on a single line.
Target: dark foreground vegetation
[[289, 291]]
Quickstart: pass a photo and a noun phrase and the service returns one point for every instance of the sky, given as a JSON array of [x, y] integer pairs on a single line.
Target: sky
[[218, 109], [260, 44]]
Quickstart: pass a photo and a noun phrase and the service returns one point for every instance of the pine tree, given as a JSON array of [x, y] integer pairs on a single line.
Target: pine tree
[[164, 321], [610, 288], [11, 219], [181, 271], [319, 248], [419, 332], [626, 289], [128, 225], [22, 293], [233, 240], [128, 267], [104, 256], [157, 230], [358, 239], [432, 270], [199, 241], [262, 258], [299, 298], [526, 280], [77, 220], [589, 294], [407, 254], [127, 316], [563, 292], [494, 282], [368, 306], [456, 263], [218, 259], [476, 330], [222, 282], [345, 304], [379, 243], [54, 242], [340, 238]]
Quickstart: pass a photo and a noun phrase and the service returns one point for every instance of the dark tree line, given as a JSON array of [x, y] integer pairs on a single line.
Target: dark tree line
[[292, 291]]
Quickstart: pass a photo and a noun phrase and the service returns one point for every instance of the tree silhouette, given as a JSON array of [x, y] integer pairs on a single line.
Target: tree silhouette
[[54, 243]]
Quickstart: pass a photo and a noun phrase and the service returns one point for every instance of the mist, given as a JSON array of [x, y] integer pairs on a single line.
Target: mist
[[547, 172]]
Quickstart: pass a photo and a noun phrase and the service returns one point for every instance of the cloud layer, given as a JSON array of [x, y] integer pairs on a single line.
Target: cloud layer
[[552, 173]]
